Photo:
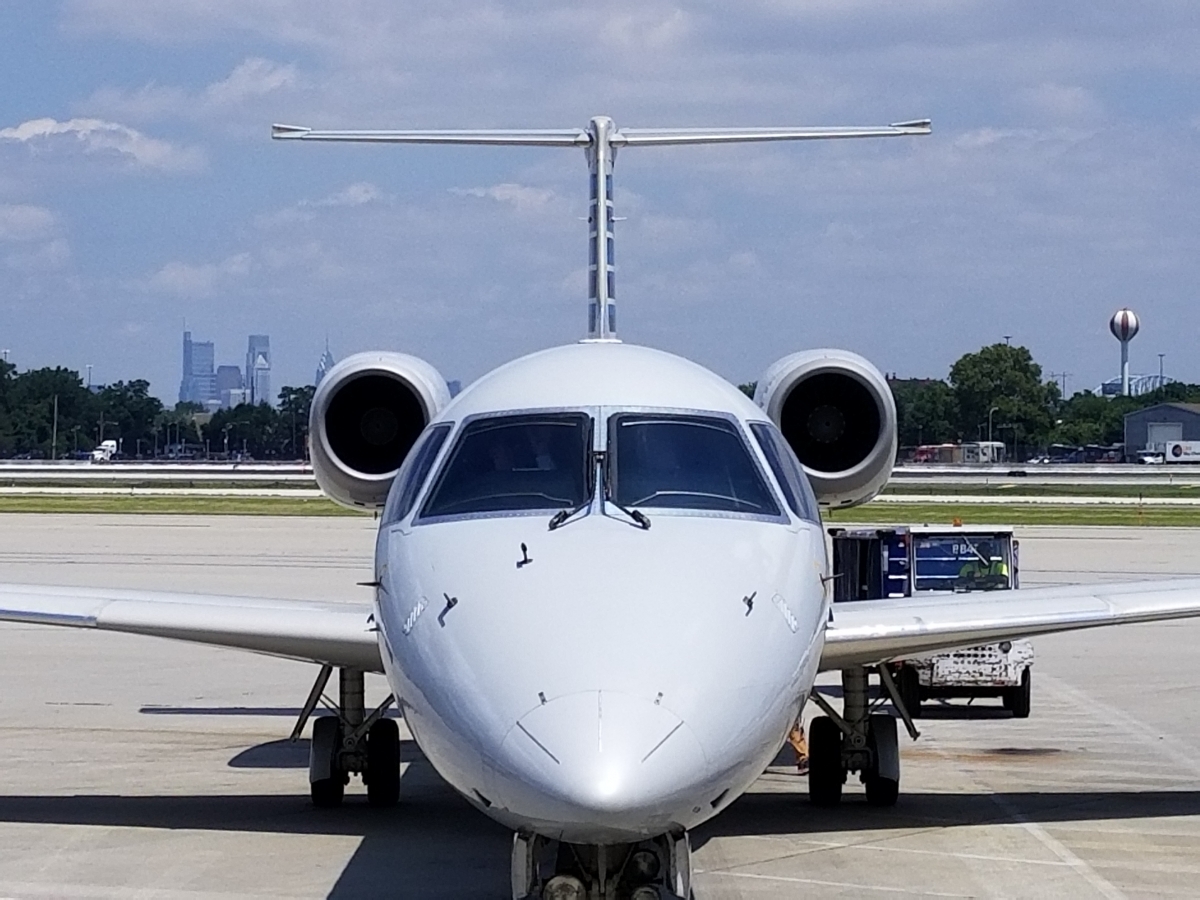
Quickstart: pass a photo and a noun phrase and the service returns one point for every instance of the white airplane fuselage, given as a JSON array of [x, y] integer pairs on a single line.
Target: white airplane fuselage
[[600, 682]]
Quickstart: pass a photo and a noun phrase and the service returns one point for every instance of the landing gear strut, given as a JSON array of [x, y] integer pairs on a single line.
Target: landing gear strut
[[856, 741], [350, 742], [655, 869]]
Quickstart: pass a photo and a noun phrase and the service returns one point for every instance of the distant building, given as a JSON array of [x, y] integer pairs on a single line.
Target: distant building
[[325, 364], [229, 383], [235, 397], [258, 368], [1138, 385], [1151, 428], [199, 382]]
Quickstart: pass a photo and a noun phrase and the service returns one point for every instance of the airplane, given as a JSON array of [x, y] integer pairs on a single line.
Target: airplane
[[601, 588]]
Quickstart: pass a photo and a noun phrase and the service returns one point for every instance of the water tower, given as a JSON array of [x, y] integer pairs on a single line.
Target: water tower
[[1124, 326]]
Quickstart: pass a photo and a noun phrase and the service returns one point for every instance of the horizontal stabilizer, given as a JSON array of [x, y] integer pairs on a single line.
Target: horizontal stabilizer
[[667, 136], [872, 631], [534, 137], [339, 634]]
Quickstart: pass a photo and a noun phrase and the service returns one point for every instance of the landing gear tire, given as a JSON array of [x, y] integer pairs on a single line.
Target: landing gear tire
[[909, 685], [825, 772], [383, 763], [1018, 699], [882, 782], [327, 782]]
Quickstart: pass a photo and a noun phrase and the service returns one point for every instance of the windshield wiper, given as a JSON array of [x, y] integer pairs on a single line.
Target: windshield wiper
[[639, 517], [561, 517]]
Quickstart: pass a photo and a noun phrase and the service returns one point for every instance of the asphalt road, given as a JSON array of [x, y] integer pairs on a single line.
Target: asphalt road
[[131, 767]]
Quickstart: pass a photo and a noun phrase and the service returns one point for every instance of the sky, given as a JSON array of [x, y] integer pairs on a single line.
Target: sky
[[139, 188]]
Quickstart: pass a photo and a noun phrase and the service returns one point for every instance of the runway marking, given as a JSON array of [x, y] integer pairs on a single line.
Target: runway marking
[[1060, 850], [870, 845], [1139, 732], [784, 879], [1047, 840]]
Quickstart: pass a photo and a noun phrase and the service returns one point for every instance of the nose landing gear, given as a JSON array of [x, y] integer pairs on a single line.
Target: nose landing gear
[[655, 869], [350, 742]]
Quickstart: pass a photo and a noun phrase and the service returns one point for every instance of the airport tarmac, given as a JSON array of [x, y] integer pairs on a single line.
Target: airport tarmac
[[131, 767]]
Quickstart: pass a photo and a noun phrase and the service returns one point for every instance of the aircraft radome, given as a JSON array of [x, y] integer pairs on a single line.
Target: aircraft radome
[[601, 586]]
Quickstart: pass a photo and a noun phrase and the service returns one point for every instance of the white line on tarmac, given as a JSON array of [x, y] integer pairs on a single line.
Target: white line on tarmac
[[1139, 732], [1059, 849], [885, 889]]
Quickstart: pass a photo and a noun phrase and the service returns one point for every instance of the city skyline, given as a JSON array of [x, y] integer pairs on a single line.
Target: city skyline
[[224, 386]]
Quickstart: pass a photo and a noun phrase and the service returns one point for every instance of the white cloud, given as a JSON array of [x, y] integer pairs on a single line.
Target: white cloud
[[520, 197], [95, 136], [22, 222], [46, 256], [356, 194], [255, 77], [251, 80], [198, 281]]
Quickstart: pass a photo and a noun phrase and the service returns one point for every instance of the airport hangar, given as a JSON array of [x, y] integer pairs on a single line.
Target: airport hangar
[[1158, 424]]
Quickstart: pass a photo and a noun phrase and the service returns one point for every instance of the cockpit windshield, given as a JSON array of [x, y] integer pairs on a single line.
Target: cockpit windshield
[[684, 462], [513, 463]]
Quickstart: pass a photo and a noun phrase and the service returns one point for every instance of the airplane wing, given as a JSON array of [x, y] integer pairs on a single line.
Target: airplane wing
[[866, 632], [340, 634]]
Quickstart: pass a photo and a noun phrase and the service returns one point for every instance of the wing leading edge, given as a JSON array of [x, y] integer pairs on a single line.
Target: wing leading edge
[[873, 631], [338, 634]]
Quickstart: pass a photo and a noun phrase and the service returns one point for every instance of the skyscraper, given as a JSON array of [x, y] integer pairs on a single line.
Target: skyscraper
[[258, 368], [230, 386], [199, 383], [325, 364]]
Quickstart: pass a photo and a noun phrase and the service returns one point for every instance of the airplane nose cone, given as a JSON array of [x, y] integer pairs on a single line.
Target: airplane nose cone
[[609, 765]]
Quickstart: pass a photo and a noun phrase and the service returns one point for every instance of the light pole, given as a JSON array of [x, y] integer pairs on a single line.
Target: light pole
[[89, 376], [990, 412], [1160, 369], [1008, 340]]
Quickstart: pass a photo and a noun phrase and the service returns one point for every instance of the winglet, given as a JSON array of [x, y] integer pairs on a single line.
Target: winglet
[[283, 132], [926, 125]]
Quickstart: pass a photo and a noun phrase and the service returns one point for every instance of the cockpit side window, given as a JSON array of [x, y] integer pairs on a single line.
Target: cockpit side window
[[684, 462], [413, 473], [788, 471], [518, 462]]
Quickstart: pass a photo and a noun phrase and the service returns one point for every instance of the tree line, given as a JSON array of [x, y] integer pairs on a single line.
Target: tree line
[[50, 413], [1000, 385], [1027, 412]]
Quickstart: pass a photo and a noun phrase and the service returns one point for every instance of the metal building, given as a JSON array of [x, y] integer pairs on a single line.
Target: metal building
[[1151, 428]]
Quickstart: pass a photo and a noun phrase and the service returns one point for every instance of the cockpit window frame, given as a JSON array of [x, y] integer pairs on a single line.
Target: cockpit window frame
[[612, 413], [419, 458], [797, 489], [454, 444]]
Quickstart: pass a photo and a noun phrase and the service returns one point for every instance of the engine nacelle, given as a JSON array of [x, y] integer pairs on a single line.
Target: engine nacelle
[[367, 413], [837, 413]]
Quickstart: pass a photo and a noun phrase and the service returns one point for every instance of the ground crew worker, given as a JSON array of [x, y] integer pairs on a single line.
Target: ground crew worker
[[986, 568], [800, 745]]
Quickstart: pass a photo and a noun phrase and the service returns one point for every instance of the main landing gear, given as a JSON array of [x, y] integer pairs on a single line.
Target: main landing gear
[[856, 741], [655, 869], [350, 742]]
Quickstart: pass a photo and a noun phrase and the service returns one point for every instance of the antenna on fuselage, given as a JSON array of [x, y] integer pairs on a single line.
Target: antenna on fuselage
[[600, 141]]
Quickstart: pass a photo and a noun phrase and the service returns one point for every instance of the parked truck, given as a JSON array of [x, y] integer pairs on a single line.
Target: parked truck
[[879, 563]]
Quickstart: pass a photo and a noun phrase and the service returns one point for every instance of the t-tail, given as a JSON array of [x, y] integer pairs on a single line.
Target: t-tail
[[601, 140]]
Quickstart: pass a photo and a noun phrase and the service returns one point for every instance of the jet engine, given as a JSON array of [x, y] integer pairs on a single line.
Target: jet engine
[[836, 411], [366, 414]]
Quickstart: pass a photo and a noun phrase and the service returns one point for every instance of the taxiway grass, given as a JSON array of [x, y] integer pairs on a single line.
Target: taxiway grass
[[1034, 489], [881, 513], [1017, 514], [207, 506]]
